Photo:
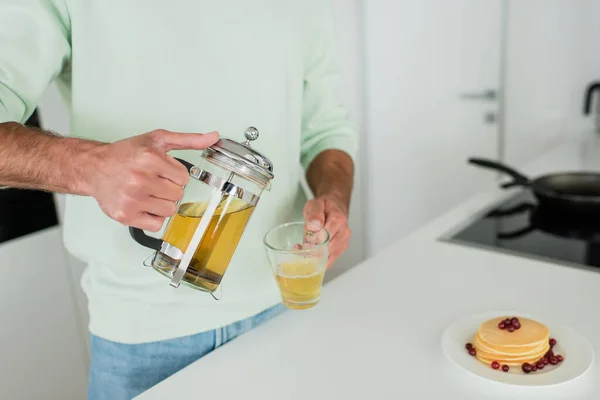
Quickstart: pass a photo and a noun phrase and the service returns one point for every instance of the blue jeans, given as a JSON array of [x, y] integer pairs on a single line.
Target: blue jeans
[[123, 371]]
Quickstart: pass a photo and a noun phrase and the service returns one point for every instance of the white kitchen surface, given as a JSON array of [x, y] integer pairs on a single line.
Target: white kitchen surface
[[376, 333]]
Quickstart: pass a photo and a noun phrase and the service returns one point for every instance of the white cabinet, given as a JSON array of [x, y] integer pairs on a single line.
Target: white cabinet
[[421, 57], [43, 349]]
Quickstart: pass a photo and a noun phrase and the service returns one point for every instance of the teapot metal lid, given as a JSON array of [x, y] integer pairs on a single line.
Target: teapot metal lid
[[241, 159]]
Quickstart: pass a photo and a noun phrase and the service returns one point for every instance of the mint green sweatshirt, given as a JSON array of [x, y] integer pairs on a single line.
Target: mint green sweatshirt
[[128, 67]]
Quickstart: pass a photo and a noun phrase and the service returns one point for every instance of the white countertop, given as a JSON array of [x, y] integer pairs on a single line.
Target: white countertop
[[377, 332]]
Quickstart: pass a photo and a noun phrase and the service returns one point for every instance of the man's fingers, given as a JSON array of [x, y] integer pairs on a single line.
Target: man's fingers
[[335, 223], [314, 214], [336, 249], [160, 207], [337, 226], [167, 190], [174, 171], [167, 140], [148, 222]]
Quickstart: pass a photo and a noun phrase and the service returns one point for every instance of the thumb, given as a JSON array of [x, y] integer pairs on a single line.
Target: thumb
[[314, 212], [167, 140]]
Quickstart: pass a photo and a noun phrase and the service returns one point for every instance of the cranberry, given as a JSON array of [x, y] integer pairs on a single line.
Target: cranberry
[[472, 351], [511, 328], [540, 365], [517, 325], [552, 342], [514, 320], [553, 360], [526, 368], [468, 346], [549, 353], [559, 358], [501, 325], [533, 368], [507, 321], [505, 368], [545, 360], [495, 364]]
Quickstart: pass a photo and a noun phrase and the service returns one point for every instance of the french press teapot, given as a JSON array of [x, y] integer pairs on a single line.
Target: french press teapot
[[200, 239]]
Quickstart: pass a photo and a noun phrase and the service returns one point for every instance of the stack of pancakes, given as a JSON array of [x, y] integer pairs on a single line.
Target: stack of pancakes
[[525, 345]]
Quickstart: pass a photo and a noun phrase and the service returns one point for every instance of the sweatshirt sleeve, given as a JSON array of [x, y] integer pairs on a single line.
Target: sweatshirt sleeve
[[34, 48], [325, 121]]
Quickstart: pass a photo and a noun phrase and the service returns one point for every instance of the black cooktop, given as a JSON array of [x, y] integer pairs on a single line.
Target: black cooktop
[[519, 226]]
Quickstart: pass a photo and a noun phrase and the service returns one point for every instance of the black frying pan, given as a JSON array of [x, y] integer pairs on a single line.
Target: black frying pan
[[574, 192]]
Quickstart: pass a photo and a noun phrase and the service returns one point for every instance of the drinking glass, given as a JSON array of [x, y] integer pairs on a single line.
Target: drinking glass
[[298, 255]]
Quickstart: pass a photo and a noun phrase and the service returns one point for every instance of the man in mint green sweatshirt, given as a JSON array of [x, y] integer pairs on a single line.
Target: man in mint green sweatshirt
[[145, 81]]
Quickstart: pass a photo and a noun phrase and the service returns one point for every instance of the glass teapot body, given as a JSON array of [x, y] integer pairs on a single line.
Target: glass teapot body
[[201, 238]]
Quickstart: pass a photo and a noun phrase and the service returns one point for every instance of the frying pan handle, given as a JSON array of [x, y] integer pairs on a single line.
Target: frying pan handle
[[516, 234], [519, 179], [511, 184], [516, 210]]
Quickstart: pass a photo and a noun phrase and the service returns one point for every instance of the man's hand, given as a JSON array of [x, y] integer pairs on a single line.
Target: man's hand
[[330, 176], [135, 182], [330, 213]]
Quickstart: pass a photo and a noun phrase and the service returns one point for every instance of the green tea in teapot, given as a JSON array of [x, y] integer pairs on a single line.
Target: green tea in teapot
[[217, 246]]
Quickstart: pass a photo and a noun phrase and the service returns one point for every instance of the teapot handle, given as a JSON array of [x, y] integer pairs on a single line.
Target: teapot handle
[[140, 236]]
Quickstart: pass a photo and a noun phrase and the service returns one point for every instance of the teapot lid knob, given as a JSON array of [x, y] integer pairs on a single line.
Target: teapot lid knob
[[251, 134]]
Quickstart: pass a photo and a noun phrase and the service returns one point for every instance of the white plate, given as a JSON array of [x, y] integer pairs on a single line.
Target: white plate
[[578, 354]]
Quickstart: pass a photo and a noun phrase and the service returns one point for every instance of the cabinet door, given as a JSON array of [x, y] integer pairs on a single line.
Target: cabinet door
[[429, 67], [43, 352]]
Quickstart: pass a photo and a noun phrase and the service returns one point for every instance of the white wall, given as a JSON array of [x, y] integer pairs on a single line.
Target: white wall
[[553, 53]]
